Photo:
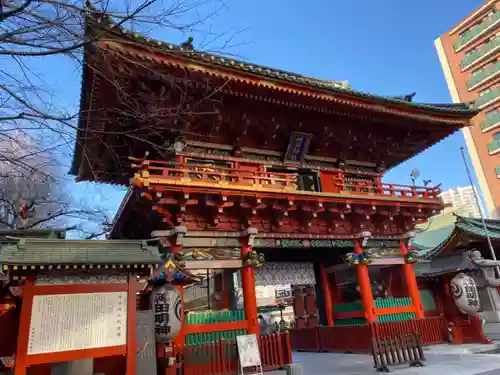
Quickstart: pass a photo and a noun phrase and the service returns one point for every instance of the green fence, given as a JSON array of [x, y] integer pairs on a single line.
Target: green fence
[[379, 304], [213, 317]]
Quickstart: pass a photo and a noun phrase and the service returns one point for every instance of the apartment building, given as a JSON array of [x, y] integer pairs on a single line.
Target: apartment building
[[462, 201], [470, 57]]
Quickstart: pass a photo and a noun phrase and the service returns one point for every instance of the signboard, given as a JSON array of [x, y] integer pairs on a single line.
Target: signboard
[[146, 346], [297, 147], [248, 352], [167, 309], [64, 322], [465, 293], [283, 295]]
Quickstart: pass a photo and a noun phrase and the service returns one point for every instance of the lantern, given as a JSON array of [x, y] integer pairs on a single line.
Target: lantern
[[166, 304], [465, 294]]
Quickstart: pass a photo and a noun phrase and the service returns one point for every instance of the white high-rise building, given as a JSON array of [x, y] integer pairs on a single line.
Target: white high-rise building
[[462, 201]]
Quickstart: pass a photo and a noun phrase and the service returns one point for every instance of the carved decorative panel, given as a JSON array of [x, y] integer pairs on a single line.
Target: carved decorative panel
[[284, 274]]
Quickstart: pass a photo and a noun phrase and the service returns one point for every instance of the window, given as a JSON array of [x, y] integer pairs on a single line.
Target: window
[[496, 136]]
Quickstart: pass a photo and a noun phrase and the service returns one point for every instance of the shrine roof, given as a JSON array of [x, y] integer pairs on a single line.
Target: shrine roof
[[9, 235], [99, 24], [35, 252], [95, 160], [442, 266], [452, 231]]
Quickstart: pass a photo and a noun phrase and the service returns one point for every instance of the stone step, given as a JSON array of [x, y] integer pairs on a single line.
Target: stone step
[[492, 331]]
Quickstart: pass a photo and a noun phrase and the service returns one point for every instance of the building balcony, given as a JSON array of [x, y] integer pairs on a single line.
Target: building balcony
[[494, 147], [497, 171], [487, 98], [491, 121], [482, 52], [477, 31], [483, 75], [210, 178]]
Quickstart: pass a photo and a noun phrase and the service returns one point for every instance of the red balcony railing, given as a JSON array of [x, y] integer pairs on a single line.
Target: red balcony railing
[[390, 190], [220, 175]]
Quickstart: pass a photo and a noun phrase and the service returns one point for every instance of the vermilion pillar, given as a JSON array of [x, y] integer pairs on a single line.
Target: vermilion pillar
[[24, 327], [249, 296], [365, 287], [327, 295], [411, 283]]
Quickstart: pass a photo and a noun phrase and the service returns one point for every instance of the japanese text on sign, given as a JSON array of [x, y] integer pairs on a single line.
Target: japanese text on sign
[[297, 147], [161, 317]]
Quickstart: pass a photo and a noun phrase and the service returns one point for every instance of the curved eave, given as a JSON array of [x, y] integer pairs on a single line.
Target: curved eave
[[469, 228], [119, 34], [263, 76]]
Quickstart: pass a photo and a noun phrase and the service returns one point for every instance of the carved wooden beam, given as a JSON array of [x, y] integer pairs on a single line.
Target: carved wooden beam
[[218, 207], [211, 264], [250, 210]]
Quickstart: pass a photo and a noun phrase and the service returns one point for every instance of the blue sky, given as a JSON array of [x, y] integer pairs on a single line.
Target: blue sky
[[384, 47]]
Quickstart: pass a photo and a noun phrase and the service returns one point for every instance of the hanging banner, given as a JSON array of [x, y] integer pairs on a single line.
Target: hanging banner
[[167, 309], [465, 294]]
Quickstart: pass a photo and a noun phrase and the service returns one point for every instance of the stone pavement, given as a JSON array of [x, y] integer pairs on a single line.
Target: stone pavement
[[440, 360]]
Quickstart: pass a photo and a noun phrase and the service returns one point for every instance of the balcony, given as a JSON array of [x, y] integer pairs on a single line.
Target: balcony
[[479, 53], [475, 32], [211, 177], [384, 189], [491, 121], [494, 146], [488, 97], [497, 171], [483, 74]]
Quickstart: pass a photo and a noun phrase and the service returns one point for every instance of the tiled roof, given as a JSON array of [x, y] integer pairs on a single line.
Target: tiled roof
[[441, 266], [78, 252], [96, 22], [7, 235], [431, 242]]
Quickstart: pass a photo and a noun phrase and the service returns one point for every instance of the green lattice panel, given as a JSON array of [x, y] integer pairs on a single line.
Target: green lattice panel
[[394, 302], [348, 307], [350, 322], [213, 317]]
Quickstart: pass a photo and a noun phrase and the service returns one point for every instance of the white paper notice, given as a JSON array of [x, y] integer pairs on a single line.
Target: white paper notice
[[248, 350], [64, 322]]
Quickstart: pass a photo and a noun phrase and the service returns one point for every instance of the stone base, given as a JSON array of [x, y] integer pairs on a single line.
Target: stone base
[[492, 331], [81, 367], [490, 316], [294, 369]]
